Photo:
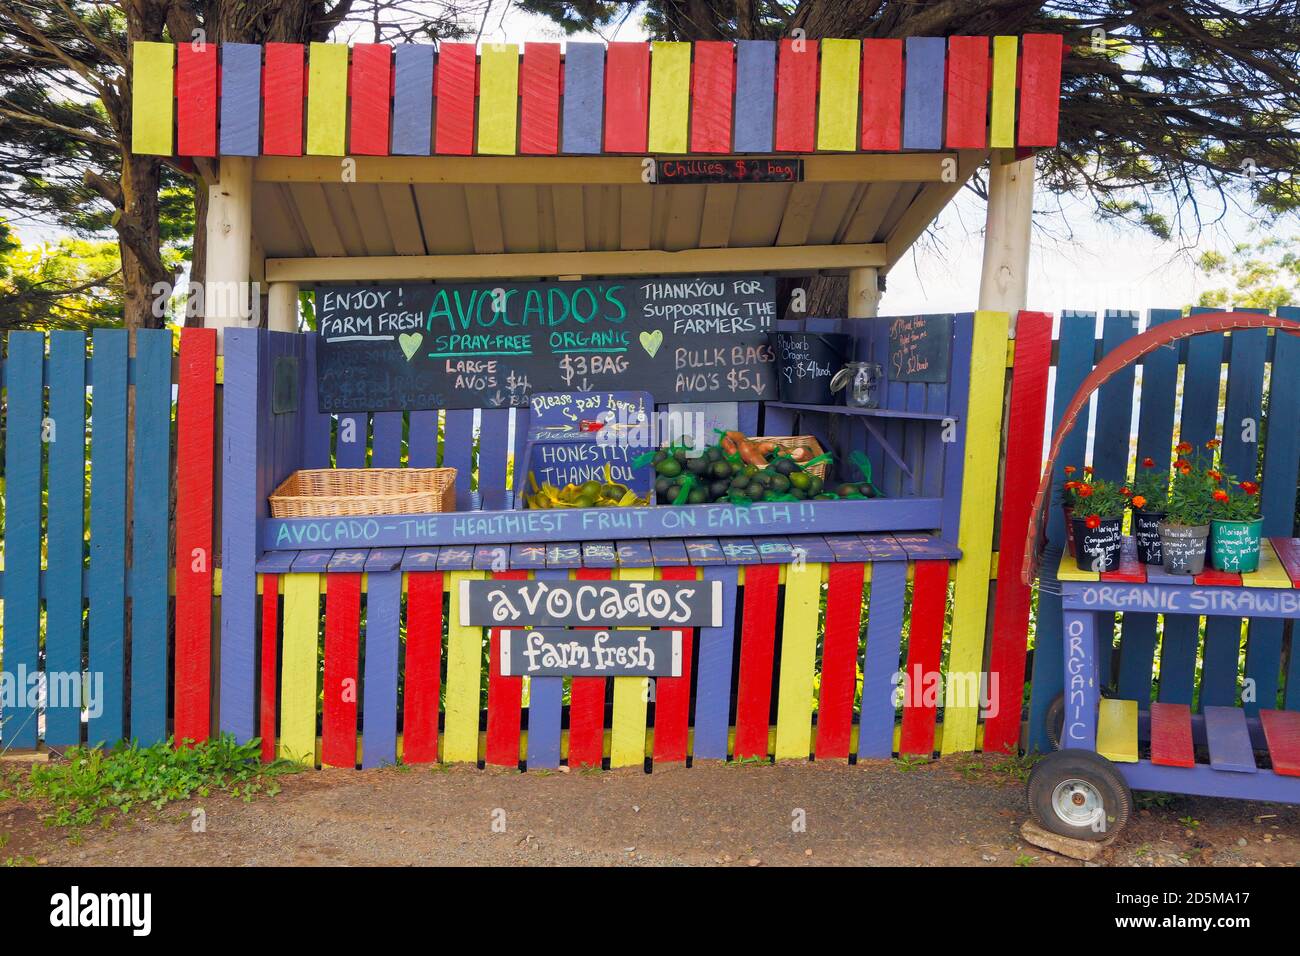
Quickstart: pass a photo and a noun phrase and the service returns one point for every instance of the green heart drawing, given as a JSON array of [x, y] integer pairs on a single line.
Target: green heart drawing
[[650, 341], [409, 341]]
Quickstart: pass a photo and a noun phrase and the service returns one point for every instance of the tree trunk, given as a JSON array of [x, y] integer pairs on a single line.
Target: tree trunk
[[137, 225]]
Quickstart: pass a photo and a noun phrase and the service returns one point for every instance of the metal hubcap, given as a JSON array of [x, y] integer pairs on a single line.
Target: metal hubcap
[[1077, 802]]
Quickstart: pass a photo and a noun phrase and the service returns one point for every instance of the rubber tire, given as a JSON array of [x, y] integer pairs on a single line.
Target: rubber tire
[[1054, 720], [1093, 769]]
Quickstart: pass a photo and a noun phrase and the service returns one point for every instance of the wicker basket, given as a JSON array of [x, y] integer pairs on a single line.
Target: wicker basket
[[329, 492], [802, 441]]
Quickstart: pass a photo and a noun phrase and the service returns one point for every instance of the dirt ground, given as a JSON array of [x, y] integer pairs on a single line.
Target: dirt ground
[[961, 810]]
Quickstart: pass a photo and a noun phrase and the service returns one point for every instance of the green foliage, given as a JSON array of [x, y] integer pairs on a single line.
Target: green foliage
[[1150, 487], [91, 784], [1089, 496], [1191, 491], [75, 283], [1261, 275]]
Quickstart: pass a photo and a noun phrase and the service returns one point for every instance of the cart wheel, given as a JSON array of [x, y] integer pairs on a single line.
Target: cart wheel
[[1054, 720], [1077, 793]]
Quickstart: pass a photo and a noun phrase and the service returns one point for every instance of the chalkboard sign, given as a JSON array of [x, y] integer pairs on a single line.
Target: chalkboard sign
[[490, 345], [919, 348], [673, 171], [560, 652]]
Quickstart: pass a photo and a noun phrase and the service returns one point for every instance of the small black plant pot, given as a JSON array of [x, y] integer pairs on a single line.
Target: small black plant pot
[[1146, 534], [1099, 548]]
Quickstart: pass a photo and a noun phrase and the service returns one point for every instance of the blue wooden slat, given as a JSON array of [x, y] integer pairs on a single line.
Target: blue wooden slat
[[880, 660], [545, 702], [386, 446], [22, 607], [351, 436], [315, 426], [107, 580], [379, 703], [584, 97], [66, 544], [1281, 463], [714, 651], [246, 479], [1155, 439], [413, 100], [923, 93], [493, 447], [458, 450], [1228, 740], [150, 514], [1074, 362], [241, 98], [755, 95]]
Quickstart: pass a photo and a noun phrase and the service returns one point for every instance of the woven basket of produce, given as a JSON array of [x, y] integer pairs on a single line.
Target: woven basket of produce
[[741, 470], [330, 492], [801, 448]]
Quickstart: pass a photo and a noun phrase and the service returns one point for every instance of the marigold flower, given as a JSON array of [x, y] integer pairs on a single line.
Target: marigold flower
[[1070, 469], [1216, 475], [1139, 501], [1087, 469], [1249, 487], [1092, 521], [1125, 491], [1220, 495], [1084, 491], [1185, 468], [1213, 443], [1148, 463], [1183, 447]]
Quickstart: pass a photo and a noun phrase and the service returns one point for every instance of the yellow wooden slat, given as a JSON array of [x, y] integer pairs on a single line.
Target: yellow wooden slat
[[151, 98], [627, 739], [298, 668], [327, 99], [1271, 573], [1069, 569], [1117, 730], [670, 85], [498, 104], [975, 531], [464, 675], [837, 111], [1002, 129], [803, 585]]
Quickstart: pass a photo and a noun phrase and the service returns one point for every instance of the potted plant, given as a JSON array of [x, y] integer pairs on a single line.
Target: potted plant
[[1235, 526], [1186, 529], [1097, 524], [1150, 499], [1069, 497]]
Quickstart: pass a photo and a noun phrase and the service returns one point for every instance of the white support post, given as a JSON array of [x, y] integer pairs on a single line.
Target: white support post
[[282, 307], [227, 296], [864, 292], [1004, 282]]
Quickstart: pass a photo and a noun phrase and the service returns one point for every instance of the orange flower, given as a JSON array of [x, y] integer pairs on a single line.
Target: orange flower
[[1216, 475], [1213, 443], [1220, 495], [1070, 469], [1183, 447], [1249, 487], [1084, 491], [1139, 501], [1125, 491], [1186, 469], [1092, 521], [1148, 463], [1087, 469]]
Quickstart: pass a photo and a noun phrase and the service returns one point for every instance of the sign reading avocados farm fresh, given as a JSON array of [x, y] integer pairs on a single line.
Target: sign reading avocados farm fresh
[[394, 348]]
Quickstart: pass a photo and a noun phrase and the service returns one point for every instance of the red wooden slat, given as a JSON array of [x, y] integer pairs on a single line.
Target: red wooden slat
[[1216, 578], [924, 657], [587, 704], [423, 667], [1171, 735], [457, 69], [283, 88], [270, 644], [372, 85], [1282, 731], [757, 648], [712, 92], [196, 99], [796, 96], [627, 97], [1040, 88], [1288, 552], [673, 694], [839, 661], [1028, 405], [339, 695], [1130, 568], [195, 446], [505, 698], [539, 83], [968, 92], [882, 94]]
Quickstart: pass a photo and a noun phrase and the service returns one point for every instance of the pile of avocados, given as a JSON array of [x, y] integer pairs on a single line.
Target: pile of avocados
[[713, 477]]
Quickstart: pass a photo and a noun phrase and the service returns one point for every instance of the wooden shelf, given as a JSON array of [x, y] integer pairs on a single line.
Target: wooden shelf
[[866, 412]]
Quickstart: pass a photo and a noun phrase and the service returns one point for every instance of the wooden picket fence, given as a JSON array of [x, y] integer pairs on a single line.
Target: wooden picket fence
[[87, 550]]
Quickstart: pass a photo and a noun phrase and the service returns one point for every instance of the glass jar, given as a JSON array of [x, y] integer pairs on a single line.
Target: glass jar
[[861, 382]]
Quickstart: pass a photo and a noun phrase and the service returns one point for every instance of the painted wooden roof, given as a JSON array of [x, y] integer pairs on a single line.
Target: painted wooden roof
[[831, 95]]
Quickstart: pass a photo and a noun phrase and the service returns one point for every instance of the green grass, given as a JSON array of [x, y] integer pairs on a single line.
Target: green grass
[[90, 785]]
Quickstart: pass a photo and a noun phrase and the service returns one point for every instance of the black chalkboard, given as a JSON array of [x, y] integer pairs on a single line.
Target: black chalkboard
[[394, 348], [919, 348]]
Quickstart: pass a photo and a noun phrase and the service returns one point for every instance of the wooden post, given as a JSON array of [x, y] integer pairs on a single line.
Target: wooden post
[[226, 298], [282, 307], [1004, 282], [864, 292]]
